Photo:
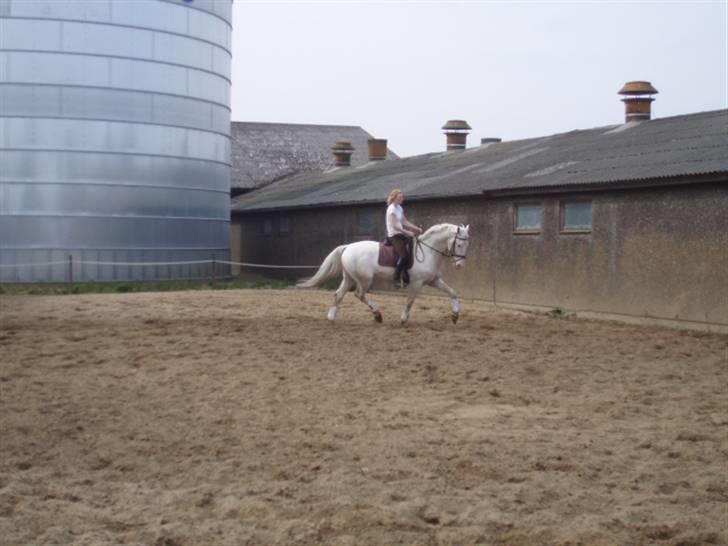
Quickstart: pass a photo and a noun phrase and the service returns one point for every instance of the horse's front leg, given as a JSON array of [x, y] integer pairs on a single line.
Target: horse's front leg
[[414, 288], [440, 284]]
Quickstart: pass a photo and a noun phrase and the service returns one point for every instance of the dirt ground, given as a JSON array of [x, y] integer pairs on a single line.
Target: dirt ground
[[245, 417]]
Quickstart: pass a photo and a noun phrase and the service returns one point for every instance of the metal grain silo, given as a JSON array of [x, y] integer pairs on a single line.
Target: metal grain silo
[[114, 137]]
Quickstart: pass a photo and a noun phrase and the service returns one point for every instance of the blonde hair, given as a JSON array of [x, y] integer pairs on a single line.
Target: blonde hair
[[393, 195]]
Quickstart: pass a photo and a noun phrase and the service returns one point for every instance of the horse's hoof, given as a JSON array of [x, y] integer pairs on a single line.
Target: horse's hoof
[[377, 316], [455, 317]]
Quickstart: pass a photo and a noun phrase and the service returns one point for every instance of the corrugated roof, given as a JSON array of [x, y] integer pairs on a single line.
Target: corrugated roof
[[265, 152], [680, 146]]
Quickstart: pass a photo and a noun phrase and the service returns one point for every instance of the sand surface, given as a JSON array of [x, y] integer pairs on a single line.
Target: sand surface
[[245, 417]]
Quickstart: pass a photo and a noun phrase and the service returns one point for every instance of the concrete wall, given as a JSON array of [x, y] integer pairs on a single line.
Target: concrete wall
[[659, 253]]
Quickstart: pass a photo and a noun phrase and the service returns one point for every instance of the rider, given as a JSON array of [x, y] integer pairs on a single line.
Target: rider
[[399, 233]]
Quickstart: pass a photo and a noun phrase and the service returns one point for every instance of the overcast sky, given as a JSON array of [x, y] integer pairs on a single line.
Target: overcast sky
[[513, 70]]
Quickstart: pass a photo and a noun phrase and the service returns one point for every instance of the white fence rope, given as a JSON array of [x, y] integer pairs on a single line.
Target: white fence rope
[[94, 262], [268, 265], [35, 264], [155, 264]]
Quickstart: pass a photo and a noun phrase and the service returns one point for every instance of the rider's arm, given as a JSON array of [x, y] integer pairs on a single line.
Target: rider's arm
[[411, 226]]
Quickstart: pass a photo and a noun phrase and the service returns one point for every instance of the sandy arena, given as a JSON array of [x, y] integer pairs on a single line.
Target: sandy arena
[[246, 418]]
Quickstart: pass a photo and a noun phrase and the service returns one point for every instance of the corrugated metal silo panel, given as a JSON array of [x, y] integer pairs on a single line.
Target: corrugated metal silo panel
[[114, 137]]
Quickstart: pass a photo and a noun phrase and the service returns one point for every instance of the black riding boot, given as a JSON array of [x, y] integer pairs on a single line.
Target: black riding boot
[[400, 272]]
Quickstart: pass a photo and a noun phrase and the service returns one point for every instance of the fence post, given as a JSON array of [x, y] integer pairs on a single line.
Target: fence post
[[70, 269], [213, 269]]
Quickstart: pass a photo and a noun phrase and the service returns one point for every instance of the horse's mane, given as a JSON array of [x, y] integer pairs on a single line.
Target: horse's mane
[[437, 228]]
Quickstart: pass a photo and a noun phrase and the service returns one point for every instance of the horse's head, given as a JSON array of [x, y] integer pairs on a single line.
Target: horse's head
[[458, 244]]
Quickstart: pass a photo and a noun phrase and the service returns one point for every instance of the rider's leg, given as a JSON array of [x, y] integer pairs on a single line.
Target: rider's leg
[[405, 272], [405, 260], [398, 242], [398, 269]]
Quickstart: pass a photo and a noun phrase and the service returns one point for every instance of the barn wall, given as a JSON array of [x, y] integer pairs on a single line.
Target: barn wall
[[659, 253], [652, 253], [311, 236]]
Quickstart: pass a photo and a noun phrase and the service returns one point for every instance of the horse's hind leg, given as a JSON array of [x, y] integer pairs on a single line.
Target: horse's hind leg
[[361, 293], [346, 283]]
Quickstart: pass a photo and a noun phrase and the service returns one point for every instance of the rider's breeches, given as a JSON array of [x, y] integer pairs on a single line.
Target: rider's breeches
[[399, 242]]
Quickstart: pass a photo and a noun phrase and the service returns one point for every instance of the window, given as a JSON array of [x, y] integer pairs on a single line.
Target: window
[[527, 218], [365, 223], [268, 227], [576, 216], [284, 226]]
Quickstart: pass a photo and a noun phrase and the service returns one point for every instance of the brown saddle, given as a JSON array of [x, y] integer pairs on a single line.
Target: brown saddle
[[388, 256]]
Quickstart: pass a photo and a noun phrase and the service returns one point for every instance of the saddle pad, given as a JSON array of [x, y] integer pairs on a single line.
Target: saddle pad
[[387, 255]]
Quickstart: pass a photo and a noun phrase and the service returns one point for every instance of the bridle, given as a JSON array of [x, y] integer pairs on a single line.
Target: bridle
[[449, 252]]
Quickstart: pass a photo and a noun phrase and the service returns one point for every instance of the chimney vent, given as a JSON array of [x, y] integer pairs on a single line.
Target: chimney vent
[[456, 131], [638, 100], [342, 153], [377, 149], [490, 140]]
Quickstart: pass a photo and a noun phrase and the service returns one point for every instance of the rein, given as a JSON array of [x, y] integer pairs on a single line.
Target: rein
[[448, 253]]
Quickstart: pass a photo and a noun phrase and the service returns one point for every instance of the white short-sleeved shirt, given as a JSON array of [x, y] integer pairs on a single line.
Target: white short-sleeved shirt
[[399, 214]]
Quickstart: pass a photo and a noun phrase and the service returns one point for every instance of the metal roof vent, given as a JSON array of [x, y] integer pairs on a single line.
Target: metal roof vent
[[456, 131], [638, 100], [342, 153], [490, 140], [377, 149]]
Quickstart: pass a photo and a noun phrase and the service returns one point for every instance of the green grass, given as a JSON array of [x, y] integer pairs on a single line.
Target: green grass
[[137, 286], [559, 313]]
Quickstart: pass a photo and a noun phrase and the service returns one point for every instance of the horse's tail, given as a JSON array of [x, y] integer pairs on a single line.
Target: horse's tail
[[330, 268]]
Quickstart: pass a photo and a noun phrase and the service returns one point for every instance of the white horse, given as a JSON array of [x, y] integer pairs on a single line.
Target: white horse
[[359, 264]]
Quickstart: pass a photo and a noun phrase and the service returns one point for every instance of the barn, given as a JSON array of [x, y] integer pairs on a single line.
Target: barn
[[266, 152], [626, 221]]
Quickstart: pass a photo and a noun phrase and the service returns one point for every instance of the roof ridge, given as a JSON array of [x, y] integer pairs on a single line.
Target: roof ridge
[[279, 124]]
